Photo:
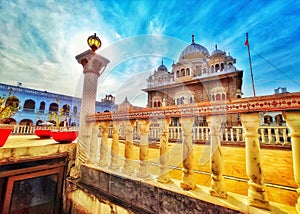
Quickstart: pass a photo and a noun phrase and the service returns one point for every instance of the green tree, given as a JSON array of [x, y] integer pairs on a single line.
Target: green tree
[[9, 106]]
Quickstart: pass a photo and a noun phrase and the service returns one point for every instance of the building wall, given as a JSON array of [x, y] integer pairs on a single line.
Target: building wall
[[31, 116]]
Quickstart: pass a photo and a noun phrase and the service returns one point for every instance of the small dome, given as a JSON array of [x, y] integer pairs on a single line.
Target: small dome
[[162, 67], [193, 48], [217, 51]]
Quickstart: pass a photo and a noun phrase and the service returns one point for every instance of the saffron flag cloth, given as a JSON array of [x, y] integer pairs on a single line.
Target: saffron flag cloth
[[246, 42]]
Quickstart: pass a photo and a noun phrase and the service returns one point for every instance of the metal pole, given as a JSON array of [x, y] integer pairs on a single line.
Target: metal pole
[[250, 63]]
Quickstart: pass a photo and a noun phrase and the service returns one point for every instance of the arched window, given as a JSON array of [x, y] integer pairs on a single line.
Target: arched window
[[213, 97], [66, 109], [182, 100], [75, 110], [177, 74], [204, 71], [182, 72], [222, 66], [268, 119], [29, 106], [279, 119], [191, 99], [42, 107], [218, 97], [178, 101], [223, 97], [188, 73], [217, 67], [53, 107], [212, 70]]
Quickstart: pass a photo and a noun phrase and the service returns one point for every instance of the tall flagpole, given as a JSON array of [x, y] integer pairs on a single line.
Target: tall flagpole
[[250, 63]]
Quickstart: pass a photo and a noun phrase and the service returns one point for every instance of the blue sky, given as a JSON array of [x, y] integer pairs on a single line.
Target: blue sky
[[40, 39]]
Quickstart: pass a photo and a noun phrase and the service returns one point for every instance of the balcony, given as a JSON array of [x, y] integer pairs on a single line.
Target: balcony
[[127, 172]]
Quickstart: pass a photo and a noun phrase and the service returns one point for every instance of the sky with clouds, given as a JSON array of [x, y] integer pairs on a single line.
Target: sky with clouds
[[40, 39]]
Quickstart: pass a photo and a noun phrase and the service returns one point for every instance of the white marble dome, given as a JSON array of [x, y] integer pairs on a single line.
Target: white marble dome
[[194, 50]]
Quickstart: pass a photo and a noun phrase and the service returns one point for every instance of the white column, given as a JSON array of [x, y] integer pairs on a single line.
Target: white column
[[217, 183], [188, 180], [143, 126], [257, 195], [293, 123], [93, 65], [164, 176]]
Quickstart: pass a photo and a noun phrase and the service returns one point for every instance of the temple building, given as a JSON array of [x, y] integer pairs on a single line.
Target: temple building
[[197, 77]]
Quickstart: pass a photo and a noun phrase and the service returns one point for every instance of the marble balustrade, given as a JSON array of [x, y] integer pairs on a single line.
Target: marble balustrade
[[250, 133]]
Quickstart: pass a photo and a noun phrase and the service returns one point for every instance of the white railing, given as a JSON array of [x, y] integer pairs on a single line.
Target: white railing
[[276, 135], [25, 130]]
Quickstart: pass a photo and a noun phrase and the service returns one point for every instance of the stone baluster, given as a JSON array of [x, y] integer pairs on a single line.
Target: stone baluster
[[93, 65], [237, 134], [226, 134], [277, 139], [206, 133], [270, 136], [143, 128], [262, 134], [202, 133], [217, 187], [293, 123], [128, 153], [284, 133], [257, 196], [104, 144], [231, 134], [114, 164], [95, 143], [164, 176], [188, 180]]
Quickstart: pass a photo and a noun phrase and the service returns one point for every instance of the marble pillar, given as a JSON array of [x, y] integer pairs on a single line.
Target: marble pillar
[[114, 164], [143, 128], [217, 187], [93, 66], [257, 195], [164, 176], [104, 147], [128, 153], [188, 180], [292, 119]]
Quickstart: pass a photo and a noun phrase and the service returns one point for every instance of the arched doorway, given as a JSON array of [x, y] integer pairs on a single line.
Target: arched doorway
[[10, 121], [26, 122]]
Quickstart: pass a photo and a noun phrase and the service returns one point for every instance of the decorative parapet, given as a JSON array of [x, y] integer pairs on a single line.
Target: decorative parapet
[[277, 102]]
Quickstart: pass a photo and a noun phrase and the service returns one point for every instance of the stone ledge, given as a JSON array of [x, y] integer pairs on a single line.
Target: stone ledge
[[152, 197], [144, 195]]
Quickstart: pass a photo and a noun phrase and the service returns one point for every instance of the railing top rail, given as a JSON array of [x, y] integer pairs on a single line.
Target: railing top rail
[[276, 102]]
